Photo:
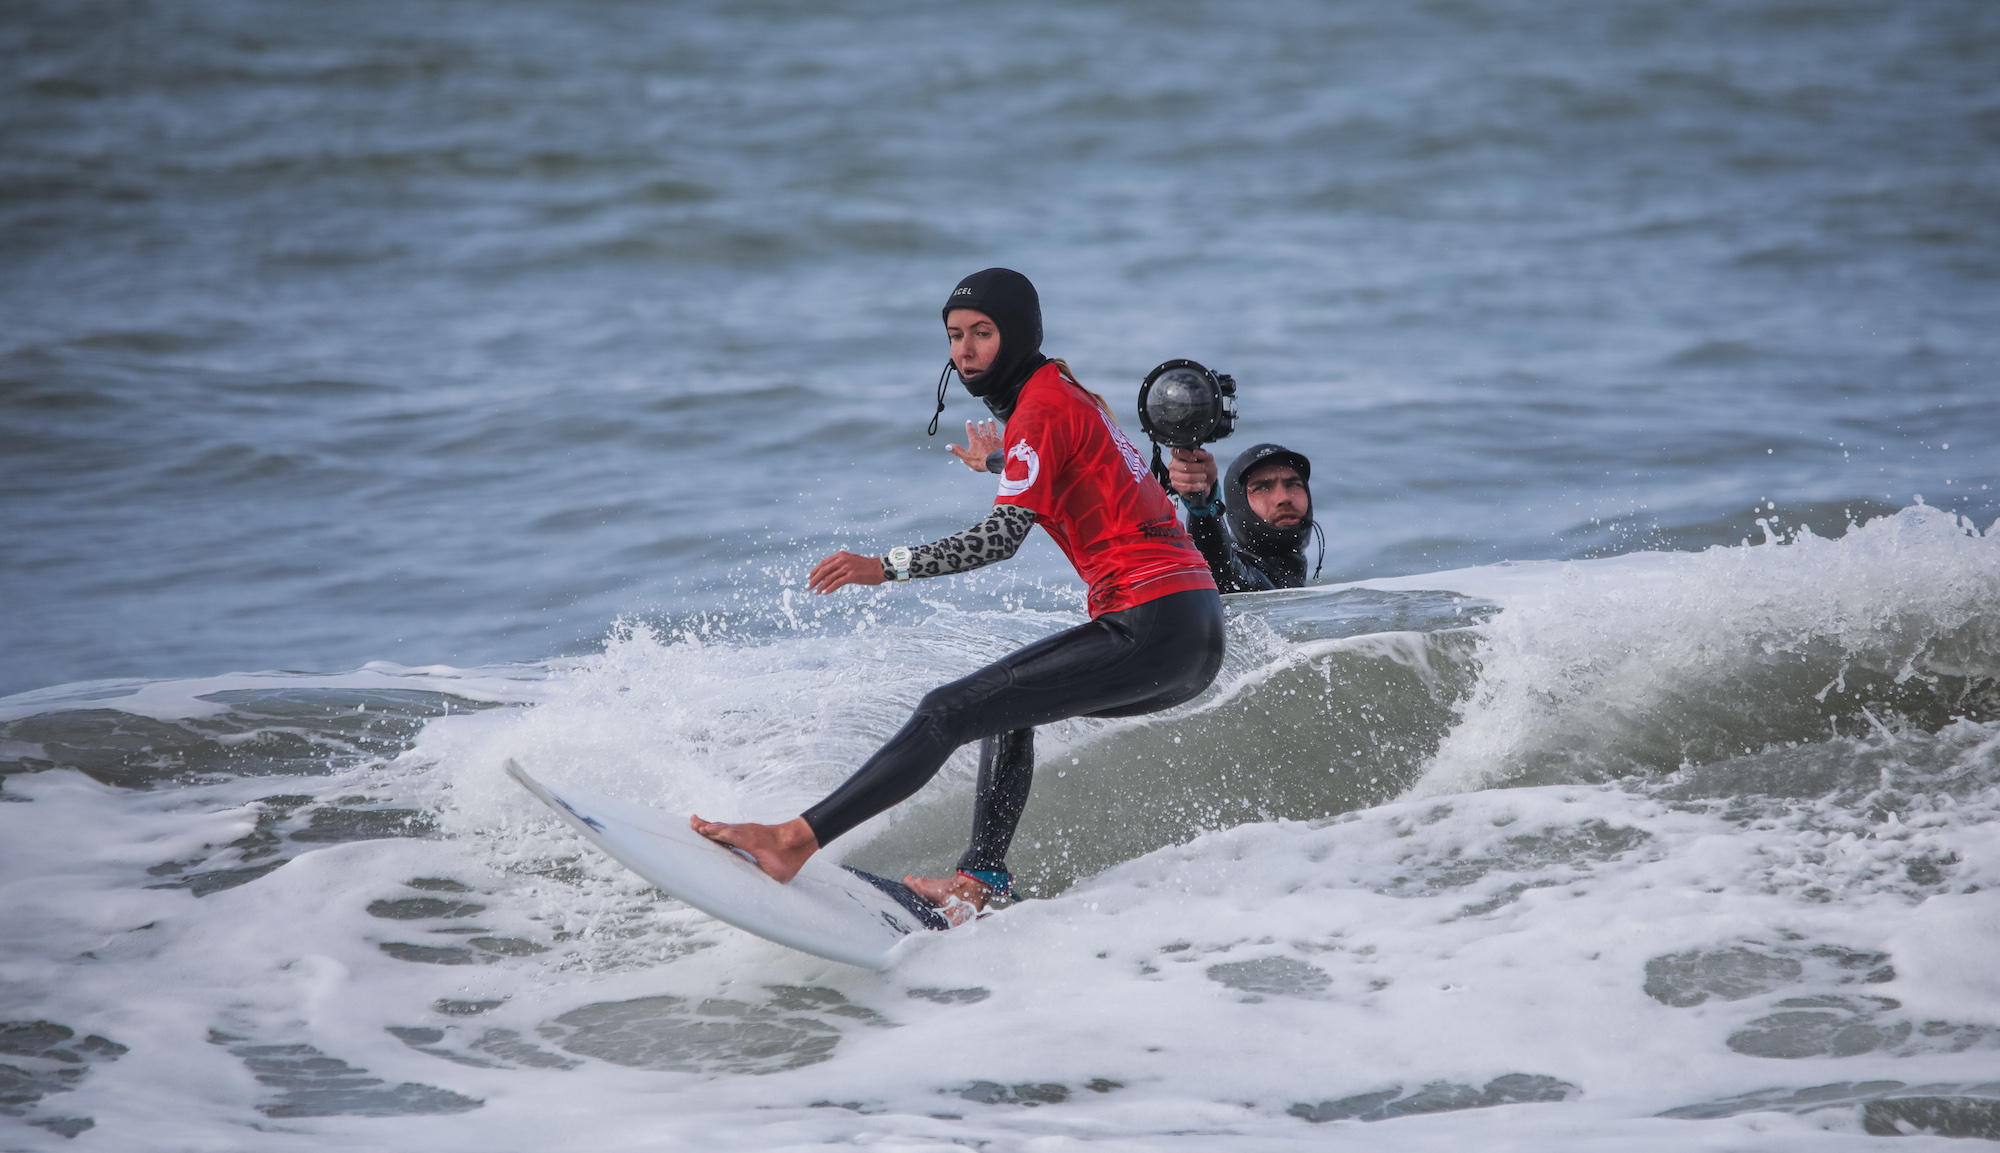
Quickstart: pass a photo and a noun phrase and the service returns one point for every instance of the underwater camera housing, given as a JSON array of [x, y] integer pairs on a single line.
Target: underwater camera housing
[[1184, 405]]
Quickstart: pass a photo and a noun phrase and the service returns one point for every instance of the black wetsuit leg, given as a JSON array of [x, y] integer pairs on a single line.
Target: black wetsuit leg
[[1006, 771], [1141, 660]]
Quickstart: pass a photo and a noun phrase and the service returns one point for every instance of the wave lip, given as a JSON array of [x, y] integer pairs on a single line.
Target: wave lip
[[1670, 660]]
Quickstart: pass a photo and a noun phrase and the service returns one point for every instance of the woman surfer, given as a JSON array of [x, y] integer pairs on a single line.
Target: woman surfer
[[1154, 639]]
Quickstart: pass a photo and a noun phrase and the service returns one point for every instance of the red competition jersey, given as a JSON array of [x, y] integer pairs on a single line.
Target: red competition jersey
[[1068, 463]]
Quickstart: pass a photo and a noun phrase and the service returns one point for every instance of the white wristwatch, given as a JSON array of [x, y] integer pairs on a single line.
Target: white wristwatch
[[899, 559]]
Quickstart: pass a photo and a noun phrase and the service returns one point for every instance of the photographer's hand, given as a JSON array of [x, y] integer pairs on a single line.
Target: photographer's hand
[[981, 441], [1192, 472]]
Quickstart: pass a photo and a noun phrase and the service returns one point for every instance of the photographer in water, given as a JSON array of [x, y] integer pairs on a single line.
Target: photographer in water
[[1253, 532]]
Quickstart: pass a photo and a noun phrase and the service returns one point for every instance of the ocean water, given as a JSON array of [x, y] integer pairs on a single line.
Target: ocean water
[[388, 390]]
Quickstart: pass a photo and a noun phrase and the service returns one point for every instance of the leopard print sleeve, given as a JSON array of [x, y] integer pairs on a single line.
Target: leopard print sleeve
[[996, 538]]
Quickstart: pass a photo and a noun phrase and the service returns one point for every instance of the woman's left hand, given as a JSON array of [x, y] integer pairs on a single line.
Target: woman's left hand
[[981, 441], [845, 568]]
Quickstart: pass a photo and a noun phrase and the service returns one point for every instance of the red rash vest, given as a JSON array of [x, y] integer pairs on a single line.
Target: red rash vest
[[1068, 463]]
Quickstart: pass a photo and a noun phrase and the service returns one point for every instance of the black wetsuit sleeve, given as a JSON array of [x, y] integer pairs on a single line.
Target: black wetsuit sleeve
[[996, 538], [1231, 574]]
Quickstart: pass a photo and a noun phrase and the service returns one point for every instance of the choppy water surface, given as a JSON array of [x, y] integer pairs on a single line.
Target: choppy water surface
[[492, 373], [453, 332]]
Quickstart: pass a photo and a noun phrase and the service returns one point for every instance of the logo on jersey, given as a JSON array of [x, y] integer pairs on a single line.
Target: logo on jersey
[[1125, 449], [1009, 484]]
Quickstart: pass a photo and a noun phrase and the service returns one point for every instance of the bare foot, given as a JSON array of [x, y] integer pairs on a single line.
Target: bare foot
[[779, 850], [959, 898]]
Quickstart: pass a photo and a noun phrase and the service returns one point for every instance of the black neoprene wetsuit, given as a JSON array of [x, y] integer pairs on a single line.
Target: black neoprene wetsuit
[[1141, 659], [1237, 569], [1245, 552], [1146, 658]]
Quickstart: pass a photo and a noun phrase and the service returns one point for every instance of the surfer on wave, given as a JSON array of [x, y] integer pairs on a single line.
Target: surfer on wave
[[1154, 639]]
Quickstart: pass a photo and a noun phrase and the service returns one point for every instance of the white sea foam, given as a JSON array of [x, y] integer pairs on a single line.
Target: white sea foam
[[1580, 957], [1219, 984], [1607, 667]]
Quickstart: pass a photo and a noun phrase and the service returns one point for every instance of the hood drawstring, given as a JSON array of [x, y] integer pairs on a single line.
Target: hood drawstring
[[949, 366]]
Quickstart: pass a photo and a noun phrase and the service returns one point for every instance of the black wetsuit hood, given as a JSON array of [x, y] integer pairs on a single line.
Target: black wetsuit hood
[[1274, 549], [1011, 301]]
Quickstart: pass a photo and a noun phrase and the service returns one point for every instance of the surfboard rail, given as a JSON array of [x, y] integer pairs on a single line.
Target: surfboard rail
[[828, 910]]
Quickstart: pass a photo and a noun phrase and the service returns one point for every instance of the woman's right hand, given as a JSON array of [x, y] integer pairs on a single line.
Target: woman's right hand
[[845, 568]]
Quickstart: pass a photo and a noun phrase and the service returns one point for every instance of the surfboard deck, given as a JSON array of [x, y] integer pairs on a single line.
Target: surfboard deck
[[831, 911]]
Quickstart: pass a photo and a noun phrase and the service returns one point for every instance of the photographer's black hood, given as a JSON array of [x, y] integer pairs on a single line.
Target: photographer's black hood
[[1010, 299], [1254, 534]]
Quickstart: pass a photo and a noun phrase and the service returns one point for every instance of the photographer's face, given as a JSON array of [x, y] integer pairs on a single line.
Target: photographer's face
[[975, 341], [1277, 493]]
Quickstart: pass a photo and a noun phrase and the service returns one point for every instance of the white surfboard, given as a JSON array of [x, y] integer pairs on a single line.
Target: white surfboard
[[828, 910]]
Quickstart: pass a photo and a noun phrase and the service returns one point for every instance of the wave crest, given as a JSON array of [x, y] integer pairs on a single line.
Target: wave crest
[[1609, 671]]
